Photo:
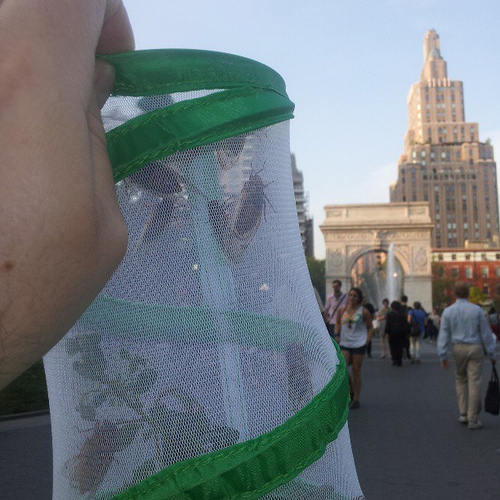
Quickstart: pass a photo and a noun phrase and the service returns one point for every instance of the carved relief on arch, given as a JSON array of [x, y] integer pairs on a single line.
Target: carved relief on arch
[[350, 236], [420, 259], [334, 261]]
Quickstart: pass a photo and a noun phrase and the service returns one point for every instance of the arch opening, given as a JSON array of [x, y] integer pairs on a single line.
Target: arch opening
[[379, 274]]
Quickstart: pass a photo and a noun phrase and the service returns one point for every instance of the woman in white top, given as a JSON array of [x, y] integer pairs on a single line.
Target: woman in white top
[[354, 324]]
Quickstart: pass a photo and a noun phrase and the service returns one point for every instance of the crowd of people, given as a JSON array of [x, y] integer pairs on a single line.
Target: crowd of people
[[400, 329]]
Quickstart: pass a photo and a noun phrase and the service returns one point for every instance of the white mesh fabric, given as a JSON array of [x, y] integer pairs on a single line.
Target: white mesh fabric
[[186, 363]]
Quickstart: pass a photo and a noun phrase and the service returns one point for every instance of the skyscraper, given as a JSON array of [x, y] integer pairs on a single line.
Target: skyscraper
[[444, 161], [301, 199]]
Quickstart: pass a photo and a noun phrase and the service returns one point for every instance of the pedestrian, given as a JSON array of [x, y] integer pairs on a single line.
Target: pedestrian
[[332, 305], [371, 310], [63, 235], [417, 319], [405, 309], [465, 328], [354, 326], [432, 326], [396, 328], [381, 318], [494, 321]]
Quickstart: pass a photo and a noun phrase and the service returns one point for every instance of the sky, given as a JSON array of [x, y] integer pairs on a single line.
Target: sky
[[348, 66]]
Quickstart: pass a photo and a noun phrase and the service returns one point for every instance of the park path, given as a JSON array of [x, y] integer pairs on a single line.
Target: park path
[[407, 441]]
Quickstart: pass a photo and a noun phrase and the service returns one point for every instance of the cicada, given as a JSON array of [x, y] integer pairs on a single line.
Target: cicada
[[235, 222], [164, 182], [252, 207], [87, 470]]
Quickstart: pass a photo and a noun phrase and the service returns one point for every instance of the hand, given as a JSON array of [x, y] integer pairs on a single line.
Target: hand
[[444, 364], [62, 231]]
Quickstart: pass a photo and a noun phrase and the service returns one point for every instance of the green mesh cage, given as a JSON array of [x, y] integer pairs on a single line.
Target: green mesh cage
[[204, 369]]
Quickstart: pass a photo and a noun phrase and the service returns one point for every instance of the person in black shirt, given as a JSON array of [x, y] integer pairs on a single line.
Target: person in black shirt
[[396, 327]]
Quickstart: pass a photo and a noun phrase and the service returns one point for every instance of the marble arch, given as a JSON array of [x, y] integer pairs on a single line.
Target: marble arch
[[350, 231]]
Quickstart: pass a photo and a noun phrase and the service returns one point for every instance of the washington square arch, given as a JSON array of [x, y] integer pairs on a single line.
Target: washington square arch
[[382, 248]]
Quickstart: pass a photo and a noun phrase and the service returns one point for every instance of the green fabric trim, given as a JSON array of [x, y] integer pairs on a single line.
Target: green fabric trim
[[252, 96], [193, 123], [165, 71], [249, 470]]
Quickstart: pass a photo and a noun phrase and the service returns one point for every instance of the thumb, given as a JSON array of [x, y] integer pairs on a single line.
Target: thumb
[[104, 80]]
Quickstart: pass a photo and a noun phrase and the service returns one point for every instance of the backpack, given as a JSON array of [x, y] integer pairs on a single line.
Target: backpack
[[414, 325]]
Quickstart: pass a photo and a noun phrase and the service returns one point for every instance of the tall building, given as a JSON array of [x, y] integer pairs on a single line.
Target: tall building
[[305, 223], [444, 161]]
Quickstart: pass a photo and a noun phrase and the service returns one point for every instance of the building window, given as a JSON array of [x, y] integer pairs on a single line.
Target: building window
[[468, 272], [486, 289], [453, 255], [498, 272], [441, 272], [484, 272], [454, 272]]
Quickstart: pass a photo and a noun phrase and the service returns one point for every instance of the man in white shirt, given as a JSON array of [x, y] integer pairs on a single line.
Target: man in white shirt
[[464, 326], [333, 304]]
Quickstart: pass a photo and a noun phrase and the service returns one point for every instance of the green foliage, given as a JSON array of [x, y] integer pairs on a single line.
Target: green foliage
[[317, 273], [442, 286], [477, 296], [27, 393]]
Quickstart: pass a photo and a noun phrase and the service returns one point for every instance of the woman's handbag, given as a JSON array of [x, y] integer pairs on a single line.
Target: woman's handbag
[[492, 400]]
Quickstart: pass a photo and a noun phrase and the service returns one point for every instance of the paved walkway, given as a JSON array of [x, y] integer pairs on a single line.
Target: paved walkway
[[406, 440], [26, 459]]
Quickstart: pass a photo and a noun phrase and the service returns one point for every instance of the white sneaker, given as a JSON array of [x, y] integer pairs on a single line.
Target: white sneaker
[[463, 419], [475, 425]]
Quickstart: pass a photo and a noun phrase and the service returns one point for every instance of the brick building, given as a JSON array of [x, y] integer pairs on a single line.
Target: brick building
[[478, 266]]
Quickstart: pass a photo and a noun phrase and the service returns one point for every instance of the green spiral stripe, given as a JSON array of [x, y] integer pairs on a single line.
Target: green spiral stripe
[[251, 96], [250, 469], [248, 96]]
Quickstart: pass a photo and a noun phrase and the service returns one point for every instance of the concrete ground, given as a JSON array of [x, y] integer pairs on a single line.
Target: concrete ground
[[25, 458], [406, 439]]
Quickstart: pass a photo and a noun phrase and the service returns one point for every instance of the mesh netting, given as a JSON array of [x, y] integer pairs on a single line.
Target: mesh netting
[[207, 337]]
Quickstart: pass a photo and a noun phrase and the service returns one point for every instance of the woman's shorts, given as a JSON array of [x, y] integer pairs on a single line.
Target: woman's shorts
[[354, 350]]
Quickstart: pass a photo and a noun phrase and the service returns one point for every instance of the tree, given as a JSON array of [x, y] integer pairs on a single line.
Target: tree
[[442, 286], [477, 296], [317, 274]]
